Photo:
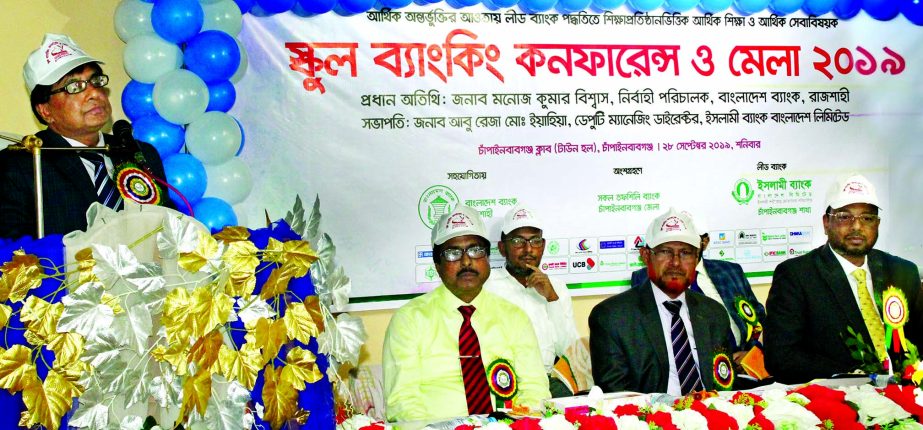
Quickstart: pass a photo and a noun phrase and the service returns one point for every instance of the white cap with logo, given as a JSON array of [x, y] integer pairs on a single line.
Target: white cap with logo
[[672, 226], [461, 221], [520, 216], [853, 189], [58, 55]]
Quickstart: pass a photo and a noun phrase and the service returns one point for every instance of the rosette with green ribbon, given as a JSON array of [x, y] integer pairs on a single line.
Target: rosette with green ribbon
[[894, 314], [136, 185], [747, 312], [502, 379], [723, 371]]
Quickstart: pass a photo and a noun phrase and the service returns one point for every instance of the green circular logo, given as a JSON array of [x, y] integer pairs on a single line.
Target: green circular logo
[[435, 202]]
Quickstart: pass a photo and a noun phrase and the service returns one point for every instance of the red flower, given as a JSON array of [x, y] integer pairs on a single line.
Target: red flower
[[629, 409], [662, 420], [526, 424], [762, 422], [903, 396], [908, 373], [840, 414], [596, 422], [463, 427], [377, 426], [572, 413], [814, 392], [717, 420]]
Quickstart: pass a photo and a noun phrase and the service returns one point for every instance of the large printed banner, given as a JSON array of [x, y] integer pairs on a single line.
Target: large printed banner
[[599, 122]]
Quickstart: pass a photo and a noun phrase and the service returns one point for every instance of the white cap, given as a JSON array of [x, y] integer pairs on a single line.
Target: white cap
[[854, 189], [701, 228], [58, 55], [520, 216], [672, 226], [461, 221]]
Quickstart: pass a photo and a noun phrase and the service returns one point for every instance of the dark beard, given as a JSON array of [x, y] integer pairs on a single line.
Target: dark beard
[[518, 271]]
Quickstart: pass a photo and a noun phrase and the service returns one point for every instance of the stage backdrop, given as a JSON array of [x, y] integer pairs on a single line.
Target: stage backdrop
[[599, 122]]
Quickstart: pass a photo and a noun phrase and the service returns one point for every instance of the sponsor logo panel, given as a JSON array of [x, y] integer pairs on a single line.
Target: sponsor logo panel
[[613, 263], [797, 250], [721, 238], [800, 235], [612, 245], [748, 254], [584, 264], [773, 236], [556, 247], [554, 266], [427, 273], [747, 237], [424, 254], [583, 245], [775, 253]]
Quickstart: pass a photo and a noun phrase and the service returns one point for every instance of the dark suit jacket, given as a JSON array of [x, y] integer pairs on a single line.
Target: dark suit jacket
[[731, 283], [67, 187], [627, 345], [811, 304]]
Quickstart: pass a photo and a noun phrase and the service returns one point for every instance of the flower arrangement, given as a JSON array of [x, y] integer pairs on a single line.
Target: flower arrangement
[[227, 331]]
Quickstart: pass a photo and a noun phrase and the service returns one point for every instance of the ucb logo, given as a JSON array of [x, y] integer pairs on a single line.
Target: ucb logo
[[579, 264], [589, 264]]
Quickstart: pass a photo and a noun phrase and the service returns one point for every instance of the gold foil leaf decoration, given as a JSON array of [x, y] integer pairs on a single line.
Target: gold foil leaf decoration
[[273, 251], [47, 403], [280, 399], [85, 265], [208, 310], [20, 275], [298, 253], [299, 323], [67, 348], [41, 320], [300, 367], [301, 416], [277, 283], [175, 354], [5, 312], [241, 260], [197, 389], [16, 368], [205, 249], [232, 234], [204, 352], [268, 336], [312, 304], [242, 365], [176, 316]]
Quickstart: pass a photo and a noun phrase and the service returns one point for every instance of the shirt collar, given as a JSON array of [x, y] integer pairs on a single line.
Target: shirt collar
[[848, 267], [660, 296], [77, 144]]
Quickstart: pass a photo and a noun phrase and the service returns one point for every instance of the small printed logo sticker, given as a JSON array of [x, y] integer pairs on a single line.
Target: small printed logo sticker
[[435, 202]]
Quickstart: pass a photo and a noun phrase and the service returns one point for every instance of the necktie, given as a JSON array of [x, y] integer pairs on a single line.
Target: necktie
[[106, 193], [689, 378], [472, 366], [870, 315]]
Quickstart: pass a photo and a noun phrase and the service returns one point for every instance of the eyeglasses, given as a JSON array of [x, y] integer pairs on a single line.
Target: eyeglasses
[[520, 242], [77, 87], [846, 218], [455, 254], [685, 255]]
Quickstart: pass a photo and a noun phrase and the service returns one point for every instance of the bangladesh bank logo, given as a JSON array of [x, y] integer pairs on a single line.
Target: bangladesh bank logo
[[743, 191], [435, 202]]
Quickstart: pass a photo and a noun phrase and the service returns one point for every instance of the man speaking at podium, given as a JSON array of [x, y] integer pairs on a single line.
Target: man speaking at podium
[[68, 93]]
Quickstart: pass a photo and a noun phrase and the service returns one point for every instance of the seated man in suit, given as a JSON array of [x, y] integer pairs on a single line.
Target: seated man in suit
[[438, 345], [68, 93], [657, 338], [726, 283], [818, 297]]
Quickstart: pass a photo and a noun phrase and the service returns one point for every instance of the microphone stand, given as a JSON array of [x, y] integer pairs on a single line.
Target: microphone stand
[[33, 144]]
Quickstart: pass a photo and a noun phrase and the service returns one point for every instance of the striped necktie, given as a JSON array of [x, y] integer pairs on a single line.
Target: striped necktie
[[473, 374], [106, 192], [870, 315], [686, 369]]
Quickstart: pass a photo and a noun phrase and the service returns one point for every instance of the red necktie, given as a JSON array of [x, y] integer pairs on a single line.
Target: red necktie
[[472, 366]]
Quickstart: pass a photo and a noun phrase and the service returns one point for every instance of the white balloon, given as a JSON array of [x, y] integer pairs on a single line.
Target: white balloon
[[213, 138], [230, 181], [133, 17], [180, 96], [147, 57], [242, 67], [223, 15]]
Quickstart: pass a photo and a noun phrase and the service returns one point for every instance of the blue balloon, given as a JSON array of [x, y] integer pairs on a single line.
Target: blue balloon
[[458, 4], [644, 5], [275, 6], [352, 7], [912, 10], [213, 55], [221, 96], [748, 7], [785, 7], [572, 6], [714, 6], [536, 6], [245, 5], [138, 100], [166, 137], [214, 213], [317, 7], [604, 5], [396, 4], [185, 173], [243, 137], [499, 4], [177, 20], [674, 6], [846, 9], [882, 10], [817, 7]]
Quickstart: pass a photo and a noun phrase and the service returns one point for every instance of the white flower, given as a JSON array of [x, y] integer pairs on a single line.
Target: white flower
[[741, 413], [874, 408], [774, 394], [785, 413], [630, 422], [556, 422], [689, 419], [918, 393], [496, 425], [355, 422]]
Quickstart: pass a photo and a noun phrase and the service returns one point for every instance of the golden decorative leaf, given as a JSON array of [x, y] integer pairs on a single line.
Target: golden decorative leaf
[[241, 260], [20, 275], [204, 352], [242, 365], [273, 252], [232, 234], [176, 317], [71, 373], [113, 302], [280, 399], [67, 348], [16, 368], [299, 323], [208, 310], [41, 320], [298, 253], [175, 354], [85, 265], [301, 416], [300, 367], [194, 260], [197, 389], [277, 282], [5, 312], [312, 304], [47, 403], [268, 336]]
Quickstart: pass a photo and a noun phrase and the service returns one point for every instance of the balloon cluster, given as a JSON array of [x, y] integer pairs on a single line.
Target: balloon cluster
[[183, 58]]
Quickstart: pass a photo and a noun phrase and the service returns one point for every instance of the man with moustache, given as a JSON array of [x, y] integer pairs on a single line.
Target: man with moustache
[[68, 93], [656, 338], [545, 301], [816, 298], [438, 345]]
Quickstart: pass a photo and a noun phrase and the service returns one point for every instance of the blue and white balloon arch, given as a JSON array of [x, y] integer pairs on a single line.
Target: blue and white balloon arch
[[183, 58]]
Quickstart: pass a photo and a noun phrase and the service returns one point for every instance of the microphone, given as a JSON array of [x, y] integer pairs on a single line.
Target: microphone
[[124, 141]]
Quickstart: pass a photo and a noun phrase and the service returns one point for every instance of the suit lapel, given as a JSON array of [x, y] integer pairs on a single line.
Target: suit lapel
[[650, 320], [835, 279], [880, 280], [69, 165], [702, 336]]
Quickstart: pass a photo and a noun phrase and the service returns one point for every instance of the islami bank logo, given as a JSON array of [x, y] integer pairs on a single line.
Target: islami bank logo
[[743, 191]]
